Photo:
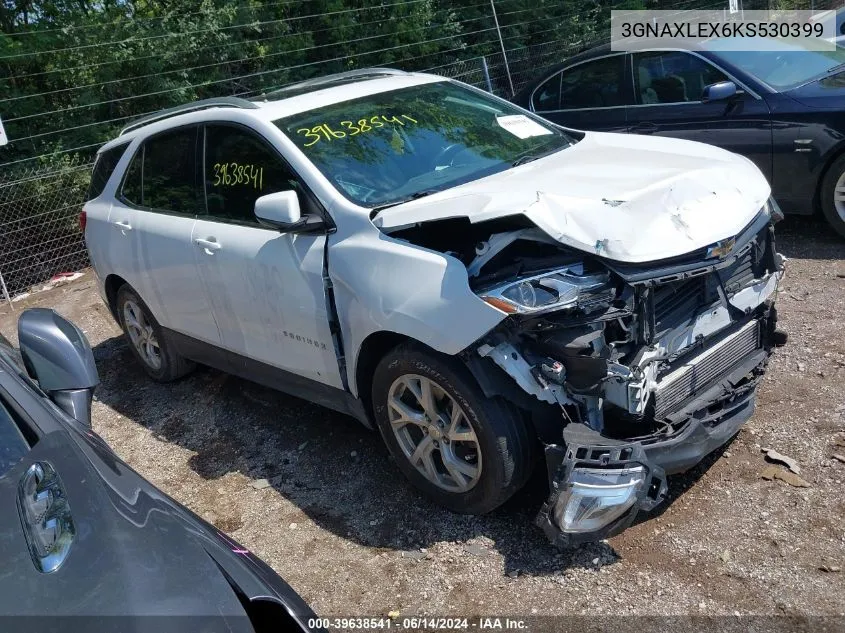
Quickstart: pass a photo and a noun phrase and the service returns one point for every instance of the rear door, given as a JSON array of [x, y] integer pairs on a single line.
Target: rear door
[[157, 207], [98, 231], [668, 86], [266, 288], [591, 95]]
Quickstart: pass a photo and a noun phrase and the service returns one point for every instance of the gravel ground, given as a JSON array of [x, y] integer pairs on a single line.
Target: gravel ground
[[316, 496]]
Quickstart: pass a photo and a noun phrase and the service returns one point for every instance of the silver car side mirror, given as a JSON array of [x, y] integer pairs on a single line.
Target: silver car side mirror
[[56, 354]]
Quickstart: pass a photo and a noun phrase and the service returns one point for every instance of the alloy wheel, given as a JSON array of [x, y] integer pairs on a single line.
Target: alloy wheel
[[434, 433], [839, 196], [141, 334]]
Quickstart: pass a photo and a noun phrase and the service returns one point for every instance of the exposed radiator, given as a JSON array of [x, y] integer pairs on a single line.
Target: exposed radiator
[[700, 371]]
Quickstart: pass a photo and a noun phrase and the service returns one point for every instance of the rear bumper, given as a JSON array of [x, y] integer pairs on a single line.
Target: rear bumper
[[710, 420]]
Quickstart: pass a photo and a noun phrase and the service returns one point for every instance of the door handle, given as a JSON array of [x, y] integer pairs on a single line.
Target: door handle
[[123, 225], [644, 128], [210, 245]]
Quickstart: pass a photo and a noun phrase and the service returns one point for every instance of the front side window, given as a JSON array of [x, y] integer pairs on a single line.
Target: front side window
[[594, 84], [163, 173], [392, 146], [239, 169], [672, 77]]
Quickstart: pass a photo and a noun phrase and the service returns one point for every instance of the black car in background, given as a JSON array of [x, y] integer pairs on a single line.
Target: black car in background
[[784, 109], [86, 544]]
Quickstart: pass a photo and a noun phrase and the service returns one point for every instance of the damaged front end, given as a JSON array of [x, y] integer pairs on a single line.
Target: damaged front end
[[632, 371]]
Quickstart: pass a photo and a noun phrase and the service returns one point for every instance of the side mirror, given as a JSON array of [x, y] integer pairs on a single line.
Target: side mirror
[[56, 353], [719, 91], [281, 211]]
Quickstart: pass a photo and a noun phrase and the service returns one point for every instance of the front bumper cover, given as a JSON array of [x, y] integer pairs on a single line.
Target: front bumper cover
[[713, 417]]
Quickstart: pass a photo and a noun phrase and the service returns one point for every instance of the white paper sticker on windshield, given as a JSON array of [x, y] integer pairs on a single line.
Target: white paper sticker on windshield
[[521, 126]]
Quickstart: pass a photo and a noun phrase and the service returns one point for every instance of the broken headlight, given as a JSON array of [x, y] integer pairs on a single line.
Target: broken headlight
[[566, 288], [595, 497]]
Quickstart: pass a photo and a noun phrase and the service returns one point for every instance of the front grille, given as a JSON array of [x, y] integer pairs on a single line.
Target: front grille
[[700, 371], [745, 268], [677, 303]]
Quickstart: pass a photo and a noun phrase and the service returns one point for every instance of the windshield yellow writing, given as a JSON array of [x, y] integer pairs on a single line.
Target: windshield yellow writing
[[351, 128], [234, 174]]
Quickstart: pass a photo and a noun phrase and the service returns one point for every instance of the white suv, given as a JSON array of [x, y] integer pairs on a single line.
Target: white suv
[[479, 284]]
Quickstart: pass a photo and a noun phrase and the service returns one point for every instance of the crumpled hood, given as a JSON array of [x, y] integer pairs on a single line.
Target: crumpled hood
[[625, 197]]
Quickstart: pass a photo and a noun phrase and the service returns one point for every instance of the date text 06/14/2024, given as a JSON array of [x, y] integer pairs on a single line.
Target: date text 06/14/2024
[[418, 623]]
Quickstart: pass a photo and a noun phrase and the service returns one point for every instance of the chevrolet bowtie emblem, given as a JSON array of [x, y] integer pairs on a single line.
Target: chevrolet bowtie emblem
[[721, 248]]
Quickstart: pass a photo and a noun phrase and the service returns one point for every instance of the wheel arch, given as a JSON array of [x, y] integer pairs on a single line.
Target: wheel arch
[[372, 350], [112, 284], [830, 158]]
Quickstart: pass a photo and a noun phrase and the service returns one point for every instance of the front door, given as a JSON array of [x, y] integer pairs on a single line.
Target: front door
[[591, 95], [667, 102], [266, 288]]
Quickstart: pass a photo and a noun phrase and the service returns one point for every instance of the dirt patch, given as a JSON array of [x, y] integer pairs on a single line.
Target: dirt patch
[[341, 525]]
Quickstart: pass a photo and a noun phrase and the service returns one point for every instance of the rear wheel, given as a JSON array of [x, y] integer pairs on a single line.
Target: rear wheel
[[146, 339], [833, 195], [465, 451]]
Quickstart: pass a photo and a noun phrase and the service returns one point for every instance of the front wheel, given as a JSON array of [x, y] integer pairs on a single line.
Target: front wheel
[[833, 195], [467, 452]]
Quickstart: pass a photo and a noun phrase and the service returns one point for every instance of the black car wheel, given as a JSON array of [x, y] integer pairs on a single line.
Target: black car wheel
[[833, 195], [467, 452], [146, 339]]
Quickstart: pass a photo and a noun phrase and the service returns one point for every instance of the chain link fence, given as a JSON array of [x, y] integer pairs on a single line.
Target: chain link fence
[[39, 222]]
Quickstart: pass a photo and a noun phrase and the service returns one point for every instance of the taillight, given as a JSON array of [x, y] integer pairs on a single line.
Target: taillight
[[45, 514], [83, 220]]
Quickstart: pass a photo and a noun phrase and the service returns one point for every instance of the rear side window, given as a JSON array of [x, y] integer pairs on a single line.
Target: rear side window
[[547, 96], [103, 169], [240, 167], [594, 84], [163, 173], [133, 191]]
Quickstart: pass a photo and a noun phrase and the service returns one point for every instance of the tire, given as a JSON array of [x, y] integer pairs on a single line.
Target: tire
[[164, 366], [835, 175], [502, 450]]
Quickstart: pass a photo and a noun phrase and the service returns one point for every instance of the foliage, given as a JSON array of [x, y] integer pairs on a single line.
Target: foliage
[[73, 73]]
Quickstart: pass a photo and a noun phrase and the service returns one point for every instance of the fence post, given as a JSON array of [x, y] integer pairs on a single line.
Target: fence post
[[502, 44], [486, 71], [6, 292]]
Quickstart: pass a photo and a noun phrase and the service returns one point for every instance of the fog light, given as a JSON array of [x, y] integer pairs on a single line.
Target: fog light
[[596, 497]]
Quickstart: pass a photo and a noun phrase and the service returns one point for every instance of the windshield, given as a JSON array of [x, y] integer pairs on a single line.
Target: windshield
[[789, 67], [393, 146]]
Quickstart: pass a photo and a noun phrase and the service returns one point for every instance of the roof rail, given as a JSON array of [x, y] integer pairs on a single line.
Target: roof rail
[[359, 73], [204, 104]]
